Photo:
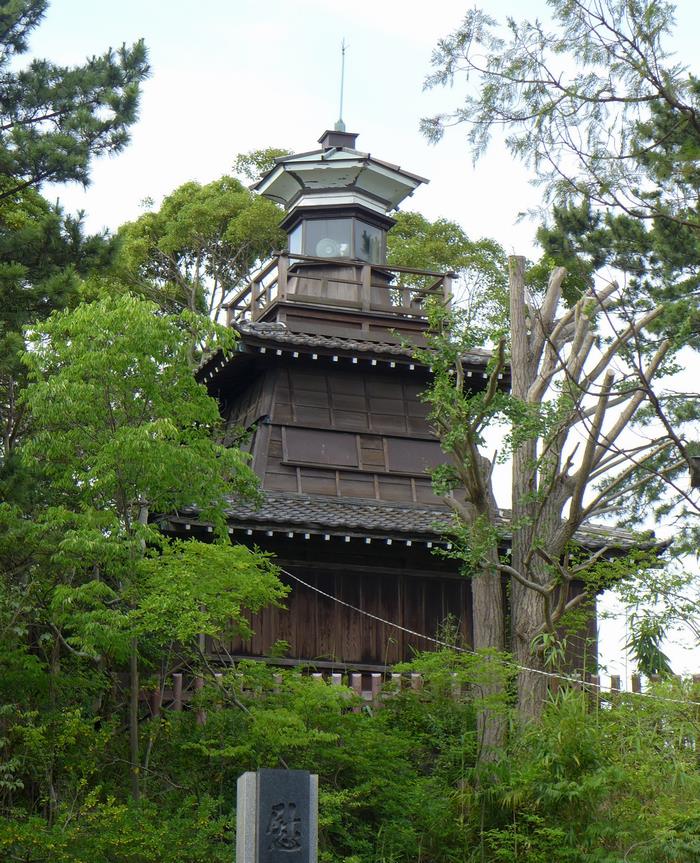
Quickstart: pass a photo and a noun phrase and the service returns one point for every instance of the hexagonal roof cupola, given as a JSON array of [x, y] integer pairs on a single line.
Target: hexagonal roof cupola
[[337, 175]]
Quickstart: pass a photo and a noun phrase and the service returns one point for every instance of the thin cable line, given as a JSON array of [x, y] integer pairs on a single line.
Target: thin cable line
[[506, 662]]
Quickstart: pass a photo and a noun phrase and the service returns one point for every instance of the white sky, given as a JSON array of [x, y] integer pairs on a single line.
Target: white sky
[[230, 76]]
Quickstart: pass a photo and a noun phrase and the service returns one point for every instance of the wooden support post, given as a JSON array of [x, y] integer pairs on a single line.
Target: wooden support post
[[201, 714], [177, 691], [356, 686], [416, 682], [447, 283], [254, 293], [366, 288], [154, 702], [376, 687], [595, 689], [336, 679], [397, 680], [282, 270]]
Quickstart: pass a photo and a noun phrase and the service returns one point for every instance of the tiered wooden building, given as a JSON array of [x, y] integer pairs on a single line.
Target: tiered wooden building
[[324, 379]]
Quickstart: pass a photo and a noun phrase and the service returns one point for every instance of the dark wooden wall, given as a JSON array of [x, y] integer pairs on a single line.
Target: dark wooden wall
[[394, 588], [341, 433], [352, 432]]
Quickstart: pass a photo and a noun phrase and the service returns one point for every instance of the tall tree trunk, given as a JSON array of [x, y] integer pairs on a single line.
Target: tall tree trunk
[[134, 762], [527, 609], [526, 604], [488, 615]]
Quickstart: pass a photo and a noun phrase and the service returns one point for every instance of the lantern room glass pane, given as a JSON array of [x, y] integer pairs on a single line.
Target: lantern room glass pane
[[328, 238], [295, 240], [368, 242]]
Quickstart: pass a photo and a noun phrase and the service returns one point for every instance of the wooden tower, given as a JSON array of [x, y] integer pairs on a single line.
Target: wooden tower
[[325, 381]]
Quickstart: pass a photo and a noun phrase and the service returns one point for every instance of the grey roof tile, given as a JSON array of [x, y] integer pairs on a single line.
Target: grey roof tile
[[381, 518], [278, 333]]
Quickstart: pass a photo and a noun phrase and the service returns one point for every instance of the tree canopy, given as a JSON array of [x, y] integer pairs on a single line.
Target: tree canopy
[[55, 119], [595, 103], [200, 245]]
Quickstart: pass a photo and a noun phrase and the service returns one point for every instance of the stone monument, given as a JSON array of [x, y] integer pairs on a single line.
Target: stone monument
[[277, 817]]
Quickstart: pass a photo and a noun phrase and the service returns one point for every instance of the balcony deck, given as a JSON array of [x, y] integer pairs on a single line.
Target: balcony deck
[[340, 284]]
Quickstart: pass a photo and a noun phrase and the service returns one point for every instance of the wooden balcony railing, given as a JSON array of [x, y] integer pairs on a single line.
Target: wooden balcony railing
[[399, 291]]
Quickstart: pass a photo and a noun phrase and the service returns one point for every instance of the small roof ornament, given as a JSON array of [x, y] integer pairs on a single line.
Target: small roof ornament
[[340, 125]]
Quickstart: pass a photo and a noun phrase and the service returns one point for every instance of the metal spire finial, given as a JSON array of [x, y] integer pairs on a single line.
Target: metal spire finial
[[340, 125]]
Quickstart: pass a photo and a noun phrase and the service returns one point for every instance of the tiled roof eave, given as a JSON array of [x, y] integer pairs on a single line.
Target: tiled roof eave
[[280, 512]]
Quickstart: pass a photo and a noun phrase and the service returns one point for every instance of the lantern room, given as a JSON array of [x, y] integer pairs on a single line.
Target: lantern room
[[337, 199]]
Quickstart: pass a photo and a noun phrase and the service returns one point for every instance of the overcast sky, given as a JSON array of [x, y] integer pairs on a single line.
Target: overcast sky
[[230, 76]]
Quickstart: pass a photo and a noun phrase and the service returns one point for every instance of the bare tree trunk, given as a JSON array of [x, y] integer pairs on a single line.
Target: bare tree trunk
[[526, 612], [526, 604]]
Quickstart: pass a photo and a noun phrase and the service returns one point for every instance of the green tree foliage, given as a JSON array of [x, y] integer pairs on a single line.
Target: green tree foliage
[[254, 164], [121, 434], [588, 99], [480, 267], [197, 250], [55, 119], [397, 783], [594, 102], [43, 256]]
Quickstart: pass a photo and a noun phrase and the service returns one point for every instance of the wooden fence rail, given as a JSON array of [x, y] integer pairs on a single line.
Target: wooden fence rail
[[373, 688]]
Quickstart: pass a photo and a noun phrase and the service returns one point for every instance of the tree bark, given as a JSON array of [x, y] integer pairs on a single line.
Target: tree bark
[[526, 604], [134, 762], [488, 615]]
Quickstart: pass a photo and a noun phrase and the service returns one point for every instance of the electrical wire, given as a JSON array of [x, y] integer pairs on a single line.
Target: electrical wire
[[505, 662]]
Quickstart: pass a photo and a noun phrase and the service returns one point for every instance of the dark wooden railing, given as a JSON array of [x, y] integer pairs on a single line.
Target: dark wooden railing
[[401, 291]]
